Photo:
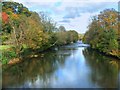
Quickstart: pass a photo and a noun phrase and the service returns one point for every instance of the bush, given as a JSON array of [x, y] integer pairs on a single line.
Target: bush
[[6, 56]]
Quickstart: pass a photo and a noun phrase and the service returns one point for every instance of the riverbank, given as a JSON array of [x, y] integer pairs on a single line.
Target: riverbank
[[105, 54], [9, 57]]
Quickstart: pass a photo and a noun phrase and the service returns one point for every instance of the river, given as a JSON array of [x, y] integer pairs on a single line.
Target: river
[[68, 67]]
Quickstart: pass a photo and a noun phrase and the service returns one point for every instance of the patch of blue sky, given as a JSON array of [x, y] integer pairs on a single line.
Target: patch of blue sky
[[57, 4], [41, 9]]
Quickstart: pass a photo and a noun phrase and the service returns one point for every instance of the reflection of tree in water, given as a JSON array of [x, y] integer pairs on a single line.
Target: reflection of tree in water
[[119, 75], [104, 70], [33, 68]]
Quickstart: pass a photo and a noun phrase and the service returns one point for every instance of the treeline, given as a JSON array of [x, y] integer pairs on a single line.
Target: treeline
[[23, 29], [103, 33]]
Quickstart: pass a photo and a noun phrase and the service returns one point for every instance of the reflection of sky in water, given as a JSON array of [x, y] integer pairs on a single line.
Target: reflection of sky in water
[[74, 71]]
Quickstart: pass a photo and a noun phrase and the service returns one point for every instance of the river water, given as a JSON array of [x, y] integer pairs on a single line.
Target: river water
[[68, 67]]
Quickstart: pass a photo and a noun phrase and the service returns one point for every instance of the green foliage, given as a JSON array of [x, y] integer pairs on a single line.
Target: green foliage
[[4, 47], [66, 37], [103, 32], [61, 38], [3, 59], [80, 36], [14, 7], [72, 36], [5, 56], [9, 54]]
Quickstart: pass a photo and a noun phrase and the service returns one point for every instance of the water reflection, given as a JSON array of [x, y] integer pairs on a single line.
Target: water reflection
[[70, 66], [104, 70]]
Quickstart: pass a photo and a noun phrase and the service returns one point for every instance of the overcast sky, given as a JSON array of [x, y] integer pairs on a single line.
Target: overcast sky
[[73, 14]]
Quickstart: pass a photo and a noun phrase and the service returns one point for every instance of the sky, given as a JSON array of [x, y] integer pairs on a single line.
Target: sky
[[72, 14]]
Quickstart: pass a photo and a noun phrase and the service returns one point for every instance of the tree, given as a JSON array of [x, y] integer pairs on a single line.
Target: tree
[[103, 32], [62, 28], [72, 36]]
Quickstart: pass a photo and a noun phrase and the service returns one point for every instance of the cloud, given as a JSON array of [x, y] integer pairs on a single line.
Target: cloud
[[72, 12], [71, 16], [65, 21]]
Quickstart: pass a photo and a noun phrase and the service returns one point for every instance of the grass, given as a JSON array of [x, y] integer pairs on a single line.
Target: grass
[[6, 54], [4, 47]]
